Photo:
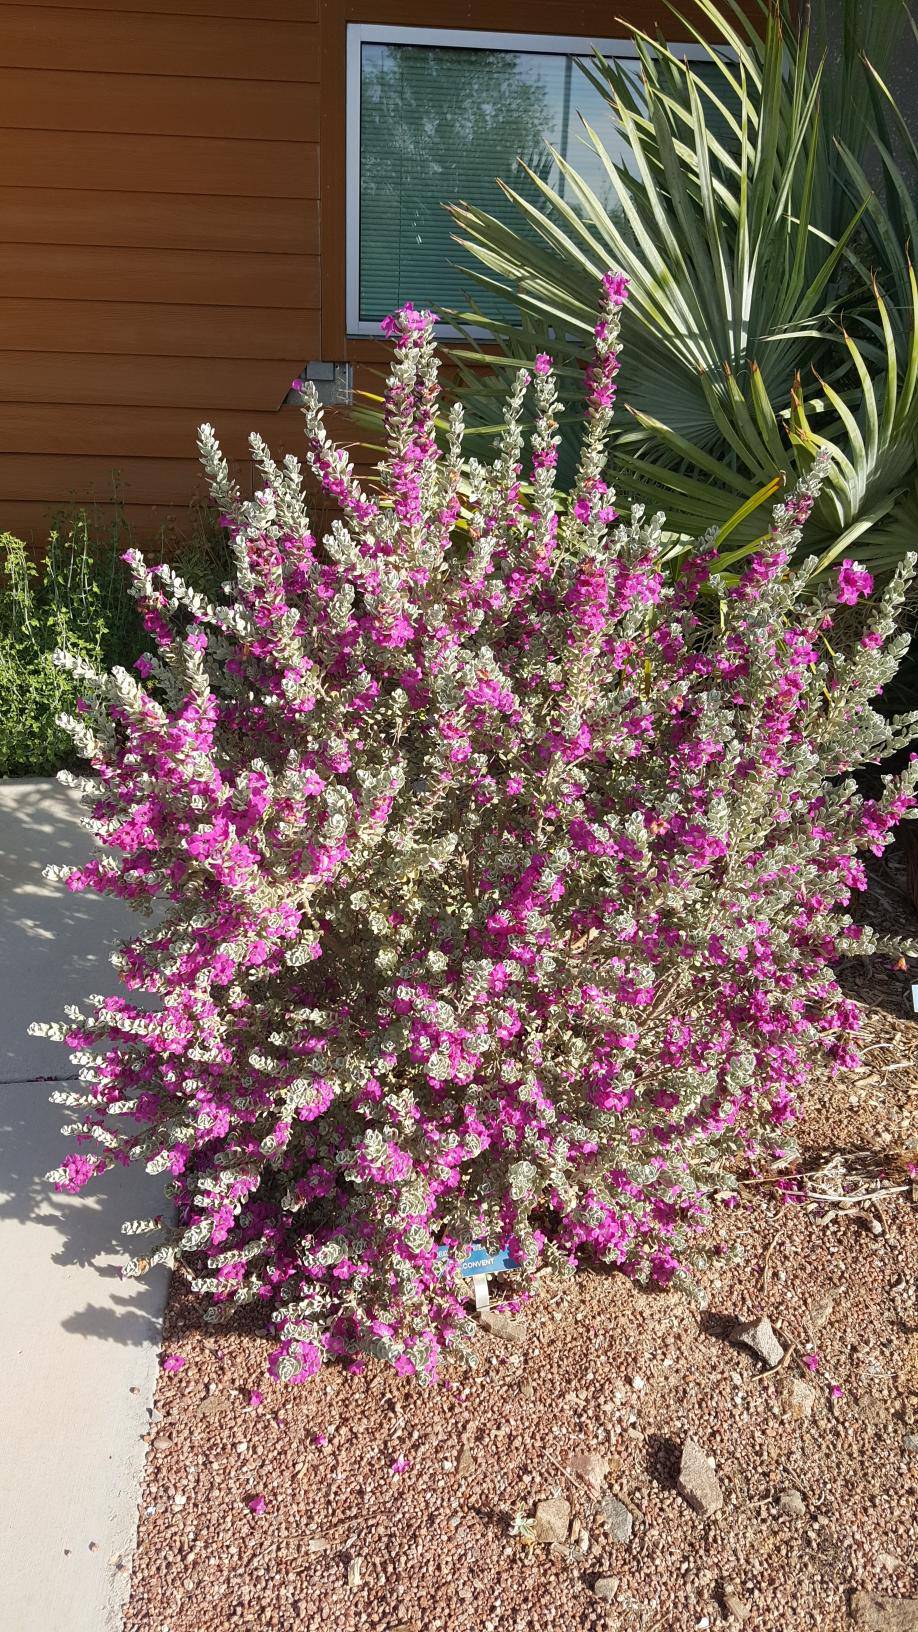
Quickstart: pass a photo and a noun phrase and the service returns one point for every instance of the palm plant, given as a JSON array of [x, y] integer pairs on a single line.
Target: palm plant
[[764, 206]]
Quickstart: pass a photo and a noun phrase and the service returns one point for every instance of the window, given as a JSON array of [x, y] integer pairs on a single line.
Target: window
[[439, 114]]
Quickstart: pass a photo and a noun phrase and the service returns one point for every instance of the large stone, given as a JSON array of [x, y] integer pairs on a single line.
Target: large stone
[[759, 1336], [799, 1397], [735, 1608], [697, 1482], [877, 1614], [509, 1328], [589, 1468], [605, 1588], [618, 1519], [552, 1520], [821, 1308], [790, 1503]]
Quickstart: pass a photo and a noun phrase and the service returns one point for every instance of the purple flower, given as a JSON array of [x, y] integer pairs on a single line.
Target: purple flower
[[616, 286], [173, 1362], [853, 582], [79, 1171]]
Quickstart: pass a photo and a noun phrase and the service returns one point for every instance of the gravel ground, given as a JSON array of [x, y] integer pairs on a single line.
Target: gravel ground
[[390, 1508]]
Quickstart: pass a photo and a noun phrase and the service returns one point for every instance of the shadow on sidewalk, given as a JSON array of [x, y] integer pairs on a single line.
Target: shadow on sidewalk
[[83, 1231], [56, 948], [56, 945]]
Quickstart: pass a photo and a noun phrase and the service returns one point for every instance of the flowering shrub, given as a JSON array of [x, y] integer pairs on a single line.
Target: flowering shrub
[[499, 873]]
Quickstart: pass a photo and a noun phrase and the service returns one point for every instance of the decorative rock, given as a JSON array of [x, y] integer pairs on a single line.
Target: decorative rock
[[605, 1587], [552, 1519], [800, 1398], [510, 1328], [910, 1443], [697, 1483], [758, 1336], [735, 1607], [877, 1614], [465, 1464], [590, 1468], [618, 1520], [821, 1309], [790, 1502], [213, 1406]]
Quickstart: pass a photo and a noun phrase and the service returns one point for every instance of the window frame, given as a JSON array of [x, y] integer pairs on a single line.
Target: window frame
[[359, 34]]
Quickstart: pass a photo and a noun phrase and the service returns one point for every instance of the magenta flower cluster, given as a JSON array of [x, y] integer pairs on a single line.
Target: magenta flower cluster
[[493, 866]]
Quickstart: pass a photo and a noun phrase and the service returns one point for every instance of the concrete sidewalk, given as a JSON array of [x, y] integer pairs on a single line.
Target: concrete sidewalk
[[75, 1340]]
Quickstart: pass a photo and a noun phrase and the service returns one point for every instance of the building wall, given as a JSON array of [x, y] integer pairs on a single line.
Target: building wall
[[161, 261]]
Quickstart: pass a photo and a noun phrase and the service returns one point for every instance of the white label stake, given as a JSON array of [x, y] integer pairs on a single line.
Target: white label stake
[[482, 1296]]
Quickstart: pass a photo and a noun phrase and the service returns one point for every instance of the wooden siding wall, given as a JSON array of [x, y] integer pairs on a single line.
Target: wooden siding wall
[[160, 187], [159, 255]]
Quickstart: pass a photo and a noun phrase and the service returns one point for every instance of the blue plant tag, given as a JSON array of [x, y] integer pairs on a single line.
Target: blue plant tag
[[482, 1262]]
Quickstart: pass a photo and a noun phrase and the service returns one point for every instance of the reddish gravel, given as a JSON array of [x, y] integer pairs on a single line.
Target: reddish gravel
[[347, 1541]]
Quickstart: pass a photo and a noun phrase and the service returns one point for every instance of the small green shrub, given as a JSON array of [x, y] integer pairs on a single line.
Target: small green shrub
[[74, 597], [57, 601]]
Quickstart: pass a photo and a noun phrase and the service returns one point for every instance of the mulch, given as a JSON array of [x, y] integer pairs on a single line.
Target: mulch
[[393, 1508]]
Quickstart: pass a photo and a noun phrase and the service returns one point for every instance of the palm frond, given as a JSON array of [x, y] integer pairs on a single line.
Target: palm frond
[[773, 305]]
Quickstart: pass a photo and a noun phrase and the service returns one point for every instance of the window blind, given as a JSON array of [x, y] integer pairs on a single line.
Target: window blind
[[439, 123]]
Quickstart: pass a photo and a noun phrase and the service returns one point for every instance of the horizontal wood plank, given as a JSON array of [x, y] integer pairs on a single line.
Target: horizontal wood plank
[[592, 17], [54, 215], [586, 19], [134, 329], [80, 479], [156, 105], [289, 11], [157, 43], [160, 164], [157, 433], [158, 528], [167, 276], [33, 488], [60, 382]]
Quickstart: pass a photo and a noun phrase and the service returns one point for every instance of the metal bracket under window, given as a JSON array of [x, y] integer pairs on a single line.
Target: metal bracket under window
[[334, 383]]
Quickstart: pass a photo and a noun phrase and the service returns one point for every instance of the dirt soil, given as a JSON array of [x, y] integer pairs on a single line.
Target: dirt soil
[[392, 1508]]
